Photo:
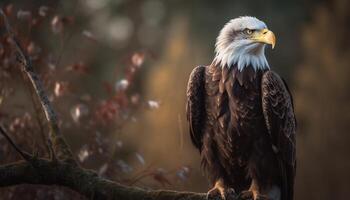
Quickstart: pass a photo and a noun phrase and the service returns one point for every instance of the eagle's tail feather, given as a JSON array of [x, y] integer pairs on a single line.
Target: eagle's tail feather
[[287, 182]]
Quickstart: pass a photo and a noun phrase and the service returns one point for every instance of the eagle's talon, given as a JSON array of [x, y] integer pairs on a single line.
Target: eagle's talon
[[262, 197], [246, 195], [219, 193], [214, 194]]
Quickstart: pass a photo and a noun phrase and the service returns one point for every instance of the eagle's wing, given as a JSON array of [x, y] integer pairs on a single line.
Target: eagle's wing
[[195, 106], [278, 111]]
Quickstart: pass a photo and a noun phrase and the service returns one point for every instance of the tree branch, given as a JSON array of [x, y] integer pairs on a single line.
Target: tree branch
[[86, 182], [26, 156], [66, 172], [39, 97]]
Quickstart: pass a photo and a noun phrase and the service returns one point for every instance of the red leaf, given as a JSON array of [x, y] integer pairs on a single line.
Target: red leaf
[[137, 59]]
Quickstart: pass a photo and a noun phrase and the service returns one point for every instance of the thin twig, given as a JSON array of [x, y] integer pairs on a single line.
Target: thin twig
[[26, 156], [39, 95], [53, 156]]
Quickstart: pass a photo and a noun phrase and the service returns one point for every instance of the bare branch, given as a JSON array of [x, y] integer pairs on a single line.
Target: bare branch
[[39, 95], [53, 156], [26, 156]]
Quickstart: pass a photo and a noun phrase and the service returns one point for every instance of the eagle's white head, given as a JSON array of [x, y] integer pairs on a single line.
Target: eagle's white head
[[242, 41]]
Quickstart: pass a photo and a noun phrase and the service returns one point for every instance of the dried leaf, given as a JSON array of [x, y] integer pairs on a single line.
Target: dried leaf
[[135, 99], [57, 25], [43, 11], [121, 85], [83, 153], [60, 88], [153, 104], [140, 158], [103, 169], [78, 112], [137, 59], [24, 15], [89, 35]]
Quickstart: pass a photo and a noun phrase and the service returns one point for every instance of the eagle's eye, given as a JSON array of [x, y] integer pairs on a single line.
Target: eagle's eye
[[248, 31]]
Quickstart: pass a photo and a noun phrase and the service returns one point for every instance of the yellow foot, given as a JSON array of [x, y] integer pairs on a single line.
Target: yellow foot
[[252, 195], [219, 192]]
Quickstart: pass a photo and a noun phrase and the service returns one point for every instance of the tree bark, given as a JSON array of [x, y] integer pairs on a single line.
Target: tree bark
[[84, 181]]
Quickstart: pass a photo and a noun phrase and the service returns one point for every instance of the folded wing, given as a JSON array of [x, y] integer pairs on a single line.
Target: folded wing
[[281, 123]]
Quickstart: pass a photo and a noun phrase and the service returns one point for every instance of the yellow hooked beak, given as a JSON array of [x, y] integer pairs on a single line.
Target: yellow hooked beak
[[265, 36]]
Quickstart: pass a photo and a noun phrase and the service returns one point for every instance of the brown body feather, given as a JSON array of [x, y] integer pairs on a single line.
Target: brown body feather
[[243, 124]]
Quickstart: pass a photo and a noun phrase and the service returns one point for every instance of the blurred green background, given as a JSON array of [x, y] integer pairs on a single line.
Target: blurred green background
[[312, 53]]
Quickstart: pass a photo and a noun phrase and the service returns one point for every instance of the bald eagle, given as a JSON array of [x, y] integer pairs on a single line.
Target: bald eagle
[[241, 116]]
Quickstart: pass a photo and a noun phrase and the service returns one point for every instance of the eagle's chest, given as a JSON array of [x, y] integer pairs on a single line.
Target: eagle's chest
[[234, 110], [246, 110], [234, 100]]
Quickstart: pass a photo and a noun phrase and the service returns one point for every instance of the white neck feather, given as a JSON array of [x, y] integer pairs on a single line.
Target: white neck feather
[[242, 54]]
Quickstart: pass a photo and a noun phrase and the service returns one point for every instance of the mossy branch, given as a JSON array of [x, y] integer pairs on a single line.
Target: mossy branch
[[86, 182]]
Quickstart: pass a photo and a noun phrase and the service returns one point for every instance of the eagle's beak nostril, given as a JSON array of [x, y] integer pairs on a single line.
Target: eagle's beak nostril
[[265, 31]]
